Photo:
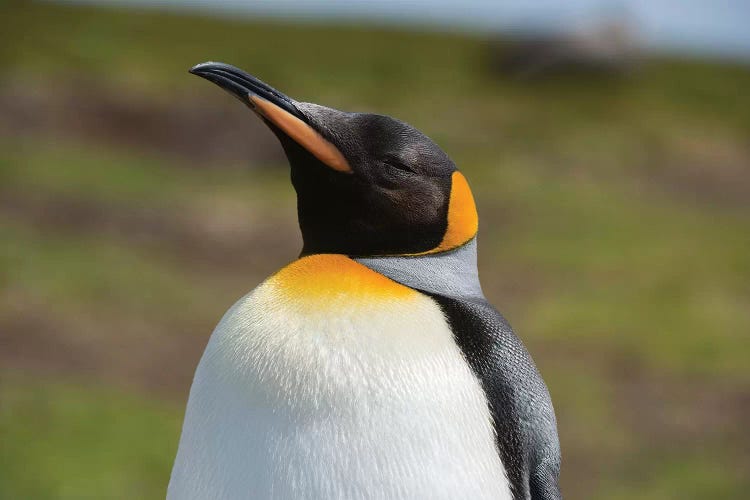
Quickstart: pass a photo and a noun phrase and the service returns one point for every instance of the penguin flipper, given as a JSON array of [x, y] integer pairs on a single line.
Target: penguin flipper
[[518, 399], [544, 481]]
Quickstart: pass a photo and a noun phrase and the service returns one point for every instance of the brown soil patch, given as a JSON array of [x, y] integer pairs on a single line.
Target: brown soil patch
[[200, 133], [700, 169], [213, 245], [146, 357]]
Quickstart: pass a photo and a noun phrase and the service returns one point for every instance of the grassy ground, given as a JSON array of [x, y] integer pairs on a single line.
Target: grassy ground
[[615, 223], [64, 441]]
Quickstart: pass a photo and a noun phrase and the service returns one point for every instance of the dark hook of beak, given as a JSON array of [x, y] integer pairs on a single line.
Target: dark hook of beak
[[243, 86]]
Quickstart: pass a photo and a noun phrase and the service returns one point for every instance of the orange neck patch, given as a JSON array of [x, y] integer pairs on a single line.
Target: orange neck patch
[[333, 280], [302, 133]]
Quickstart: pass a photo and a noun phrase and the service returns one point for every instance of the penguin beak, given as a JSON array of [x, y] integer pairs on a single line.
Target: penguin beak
[[275, 109]]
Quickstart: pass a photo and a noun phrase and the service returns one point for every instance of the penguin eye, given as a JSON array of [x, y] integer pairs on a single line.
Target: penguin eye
[[398, 165]]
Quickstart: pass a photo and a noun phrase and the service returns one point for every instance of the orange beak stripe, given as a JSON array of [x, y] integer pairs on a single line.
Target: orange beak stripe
[[302, 133]]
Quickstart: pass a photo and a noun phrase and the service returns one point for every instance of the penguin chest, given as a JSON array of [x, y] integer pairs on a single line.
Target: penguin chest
[[332, 381]]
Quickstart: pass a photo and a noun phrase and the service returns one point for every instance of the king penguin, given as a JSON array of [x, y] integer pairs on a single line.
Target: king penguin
[[372, 367]]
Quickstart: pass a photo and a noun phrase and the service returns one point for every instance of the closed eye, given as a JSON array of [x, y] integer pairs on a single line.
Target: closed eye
[[392, 162]]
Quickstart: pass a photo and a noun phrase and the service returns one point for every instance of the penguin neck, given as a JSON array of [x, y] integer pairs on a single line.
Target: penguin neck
[[452, 273]]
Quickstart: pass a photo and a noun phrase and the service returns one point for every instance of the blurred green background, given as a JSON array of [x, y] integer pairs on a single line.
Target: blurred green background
[[138, 202]]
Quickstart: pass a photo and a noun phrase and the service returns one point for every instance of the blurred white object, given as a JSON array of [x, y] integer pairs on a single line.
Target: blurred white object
[[608, 47]]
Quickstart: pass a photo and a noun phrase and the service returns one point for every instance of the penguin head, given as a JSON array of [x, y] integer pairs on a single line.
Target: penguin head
[[367, 184]]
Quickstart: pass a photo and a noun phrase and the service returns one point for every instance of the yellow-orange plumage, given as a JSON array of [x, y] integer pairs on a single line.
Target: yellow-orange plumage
[[330, 281]]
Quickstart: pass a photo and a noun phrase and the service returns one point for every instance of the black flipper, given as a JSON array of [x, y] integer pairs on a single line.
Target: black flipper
[[518, 398]]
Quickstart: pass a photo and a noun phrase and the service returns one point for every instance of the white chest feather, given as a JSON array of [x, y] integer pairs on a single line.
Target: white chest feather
[[338, 389]]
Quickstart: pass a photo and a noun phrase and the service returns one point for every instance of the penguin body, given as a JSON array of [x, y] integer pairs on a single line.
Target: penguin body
[[372, 366], [330, 380]]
